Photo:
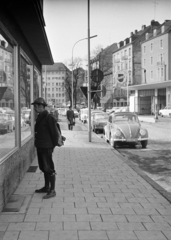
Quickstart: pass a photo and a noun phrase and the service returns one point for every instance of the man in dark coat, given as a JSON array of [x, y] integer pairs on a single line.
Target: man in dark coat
[[70, 118], [45, 142]]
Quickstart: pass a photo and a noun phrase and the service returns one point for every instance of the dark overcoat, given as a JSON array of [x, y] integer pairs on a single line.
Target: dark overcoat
[[45, 131], [70, 116]]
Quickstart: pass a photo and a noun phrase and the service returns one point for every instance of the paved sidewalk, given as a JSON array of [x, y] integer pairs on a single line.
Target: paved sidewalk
[[99, 197]]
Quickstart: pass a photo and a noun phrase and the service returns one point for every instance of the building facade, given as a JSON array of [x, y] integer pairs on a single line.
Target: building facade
[[22, 55], [154, 92], [54, 77], [127, 67]]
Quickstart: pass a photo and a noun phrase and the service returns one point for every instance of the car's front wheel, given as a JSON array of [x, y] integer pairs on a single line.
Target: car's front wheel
[[144, 143]]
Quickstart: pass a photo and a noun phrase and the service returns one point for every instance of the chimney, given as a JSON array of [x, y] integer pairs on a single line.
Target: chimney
[[143, 27], [135, 31], [155, 23], [131, 34]]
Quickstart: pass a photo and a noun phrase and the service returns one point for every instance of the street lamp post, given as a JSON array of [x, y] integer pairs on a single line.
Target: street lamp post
[[72, 99]]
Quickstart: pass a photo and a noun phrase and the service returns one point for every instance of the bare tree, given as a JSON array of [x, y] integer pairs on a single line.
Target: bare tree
[[103, 61], [78, 78]]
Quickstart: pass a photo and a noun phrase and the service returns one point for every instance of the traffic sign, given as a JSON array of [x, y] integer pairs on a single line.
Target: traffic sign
[[101, 93], [97, 75], [85, 90]]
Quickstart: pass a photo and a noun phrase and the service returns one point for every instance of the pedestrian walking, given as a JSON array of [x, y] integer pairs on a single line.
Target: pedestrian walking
[[45, 142], [70, 118]]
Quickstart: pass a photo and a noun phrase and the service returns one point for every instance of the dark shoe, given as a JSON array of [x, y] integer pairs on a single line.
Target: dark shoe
[[50, 194], [42, 190]]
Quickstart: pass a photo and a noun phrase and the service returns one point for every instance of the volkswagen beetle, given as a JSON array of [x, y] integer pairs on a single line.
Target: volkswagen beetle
[[125, 128]]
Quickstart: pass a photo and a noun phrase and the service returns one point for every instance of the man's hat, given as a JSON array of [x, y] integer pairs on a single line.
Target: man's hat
[[39, 101]]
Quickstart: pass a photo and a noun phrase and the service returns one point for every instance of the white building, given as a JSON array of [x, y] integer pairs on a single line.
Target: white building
[[54, 84]]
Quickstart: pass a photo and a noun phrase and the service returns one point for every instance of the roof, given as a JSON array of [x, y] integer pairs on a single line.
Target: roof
[[55, 67], [28, 15], [167, 25]]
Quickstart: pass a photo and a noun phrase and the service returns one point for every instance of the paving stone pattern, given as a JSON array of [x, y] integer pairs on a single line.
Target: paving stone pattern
[[99, 197]]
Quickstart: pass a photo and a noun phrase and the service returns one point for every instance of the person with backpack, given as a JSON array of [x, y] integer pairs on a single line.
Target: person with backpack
[[70, 118], [46, 140]]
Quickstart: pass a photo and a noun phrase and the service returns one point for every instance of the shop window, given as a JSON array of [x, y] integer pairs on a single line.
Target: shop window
[[26, 77], [7, 96]]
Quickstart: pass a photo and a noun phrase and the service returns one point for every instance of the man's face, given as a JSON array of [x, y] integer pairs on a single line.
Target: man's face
[[38, 108]]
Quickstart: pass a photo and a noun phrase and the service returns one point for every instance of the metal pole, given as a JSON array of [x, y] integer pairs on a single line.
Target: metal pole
[[72, 96], [73, 66], [89, 83], [127, 87], [45, 84]]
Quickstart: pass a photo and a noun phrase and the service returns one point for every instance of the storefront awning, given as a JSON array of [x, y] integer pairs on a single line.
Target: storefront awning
[[28, 14], [156, 85]]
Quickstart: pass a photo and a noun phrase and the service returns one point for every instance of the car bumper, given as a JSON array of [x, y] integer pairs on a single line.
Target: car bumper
[[129, 140]]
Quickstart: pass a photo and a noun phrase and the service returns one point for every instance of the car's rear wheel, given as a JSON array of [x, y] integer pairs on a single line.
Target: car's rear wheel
[[144, 143]]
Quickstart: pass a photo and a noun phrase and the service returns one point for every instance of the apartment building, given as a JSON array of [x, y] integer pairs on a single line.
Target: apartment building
[[54, 84], [154, 92], [127, 68]]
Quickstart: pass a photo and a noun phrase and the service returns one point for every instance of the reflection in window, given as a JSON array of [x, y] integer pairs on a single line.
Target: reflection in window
[[7, 108], [25, 96]]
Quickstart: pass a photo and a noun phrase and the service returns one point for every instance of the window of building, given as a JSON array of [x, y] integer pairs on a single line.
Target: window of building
[[162, 73], [125, 52], [129, 52], [151, 46], [144, 49], [59, 89], [161, 58], [59, 95], [8, 96], [151, 60], [151, 74], [62, 94], [52, 95], [26, 79], [56, 94], [161, 43], [56, 84]]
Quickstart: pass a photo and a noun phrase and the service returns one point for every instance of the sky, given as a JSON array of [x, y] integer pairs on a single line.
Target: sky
[[111, 20]]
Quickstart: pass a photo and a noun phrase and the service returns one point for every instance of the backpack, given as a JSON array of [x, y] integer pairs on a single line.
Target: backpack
[[60, 138]]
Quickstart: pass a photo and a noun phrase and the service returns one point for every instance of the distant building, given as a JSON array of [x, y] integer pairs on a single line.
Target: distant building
[[54, 84], [154, 90], [127, 67]]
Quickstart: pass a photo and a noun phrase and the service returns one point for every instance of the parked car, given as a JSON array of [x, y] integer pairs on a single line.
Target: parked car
[[125, 128], [98, 121], [6, 123], [83, 115], [2, 110], [75, 113], [26, 115], [165, 112], [7, 109]]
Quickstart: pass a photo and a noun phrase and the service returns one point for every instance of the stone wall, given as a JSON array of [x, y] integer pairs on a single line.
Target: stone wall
[[13, 169]]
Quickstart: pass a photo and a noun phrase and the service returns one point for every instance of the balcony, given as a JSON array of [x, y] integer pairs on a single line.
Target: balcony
[[160, 64]]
